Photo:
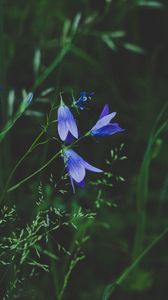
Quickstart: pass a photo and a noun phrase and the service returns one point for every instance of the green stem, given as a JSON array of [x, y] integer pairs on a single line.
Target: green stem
[[18, 164], [111, 287], [33, 145], [44, 166], [74, 250], [52, 66], [35, 173], [142, 187], [72, 265]]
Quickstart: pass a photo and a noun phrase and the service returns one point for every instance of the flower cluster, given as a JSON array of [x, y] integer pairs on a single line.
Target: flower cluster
[[75, 165], [84, 96]]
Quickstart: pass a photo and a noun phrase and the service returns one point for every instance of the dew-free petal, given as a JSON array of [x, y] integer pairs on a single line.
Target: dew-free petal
[[103, 121], [81, 184], [92, 168], [72, 124], [75, 166], [69, 139], [76, 171], [84, 96], [66, 123], [108, 130], [62, 126], [105, 111]]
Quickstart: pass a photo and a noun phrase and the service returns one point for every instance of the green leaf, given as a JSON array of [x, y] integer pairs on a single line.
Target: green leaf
[[134, 48], [34, 113], [109, 42], [75, 24], [117, 34], [150, 4], [11, 122], [36, 60]]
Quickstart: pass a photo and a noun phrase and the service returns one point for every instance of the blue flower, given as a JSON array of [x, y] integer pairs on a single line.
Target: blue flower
[[76, 167], [103, 126], [84, 96], [66, 122]]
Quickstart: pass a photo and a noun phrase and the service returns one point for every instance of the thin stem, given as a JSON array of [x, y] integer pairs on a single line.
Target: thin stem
[[142, 187], [32, 146], [40, 169], [141, 256], [52, 66], [111, 287], [43, 167], [71, 263], [19, 162], [33, 174]]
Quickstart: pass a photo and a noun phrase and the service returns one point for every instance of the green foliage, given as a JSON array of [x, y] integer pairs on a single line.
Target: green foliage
[[107, 241], [27, 247], [150, 4], [11, 122], [134, 48]]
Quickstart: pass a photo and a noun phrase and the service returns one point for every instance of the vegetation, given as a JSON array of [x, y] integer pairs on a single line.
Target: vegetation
[[108, 240]]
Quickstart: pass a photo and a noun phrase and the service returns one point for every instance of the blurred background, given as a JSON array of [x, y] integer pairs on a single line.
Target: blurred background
[[118, 50]]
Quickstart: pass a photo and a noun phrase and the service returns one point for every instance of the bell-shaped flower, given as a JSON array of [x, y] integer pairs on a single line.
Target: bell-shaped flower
[[66, 122], [84, 96], [103, 126], [76, 167]]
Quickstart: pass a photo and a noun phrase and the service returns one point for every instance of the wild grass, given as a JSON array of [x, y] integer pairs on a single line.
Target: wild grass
[[108, 240]]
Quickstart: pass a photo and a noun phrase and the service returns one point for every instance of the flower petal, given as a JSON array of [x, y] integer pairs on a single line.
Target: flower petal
[[104, 112], [107, 130], [62, 126], [69, 138], [76, 171], [84, 96], [81, 184], [71, 123], [75, 165], [103, 121], [91, 168]]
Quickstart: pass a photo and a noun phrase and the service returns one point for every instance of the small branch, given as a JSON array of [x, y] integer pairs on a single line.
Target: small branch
[[112, 287]]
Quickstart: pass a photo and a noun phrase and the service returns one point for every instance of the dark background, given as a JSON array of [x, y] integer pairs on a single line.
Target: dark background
[[119, 51]]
